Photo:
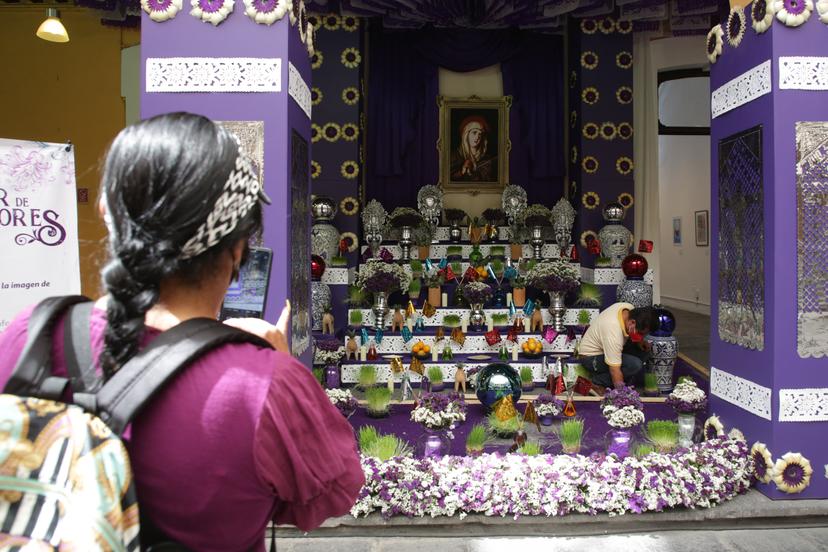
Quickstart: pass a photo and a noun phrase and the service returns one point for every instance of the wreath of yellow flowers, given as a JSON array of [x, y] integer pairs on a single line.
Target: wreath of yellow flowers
[[585, 63], [585, 161], [349, 206], [619, 165], [585, 95], [585, 199], [624, 27], [316, 169], [316, 133], [351, 239], [590, 131], [333, 137], [353, 135], [585, 234], [354, 63], [625, 131], [589, 26], [608, 131], [350, 175], [318, 93], [626, 200], [317, 59], [607, 25], [315, 22], [350, 90], [574, 154], [620, 93], [620, 56], [331, 21]]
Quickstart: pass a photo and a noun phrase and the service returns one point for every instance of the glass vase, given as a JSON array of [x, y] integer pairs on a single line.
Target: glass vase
[[687, 427], [619, 444], [433, 443]]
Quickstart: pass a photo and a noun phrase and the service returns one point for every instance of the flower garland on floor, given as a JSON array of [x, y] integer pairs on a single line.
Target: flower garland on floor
[[515, 485]]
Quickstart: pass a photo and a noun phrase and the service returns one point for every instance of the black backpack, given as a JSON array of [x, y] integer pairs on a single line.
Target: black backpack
[[65, 477]]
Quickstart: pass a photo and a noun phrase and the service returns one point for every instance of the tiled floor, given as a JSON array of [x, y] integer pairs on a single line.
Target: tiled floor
[[693, 334]]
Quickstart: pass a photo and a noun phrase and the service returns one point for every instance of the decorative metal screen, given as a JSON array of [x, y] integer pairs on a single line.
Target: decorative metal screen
[[812, 238], [741, 240], [299, 249]]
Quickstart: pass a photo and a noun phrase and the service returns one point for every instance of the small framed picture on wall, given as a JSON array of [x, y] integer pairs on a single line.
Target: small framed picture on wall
[[676, 230], [703, 228]]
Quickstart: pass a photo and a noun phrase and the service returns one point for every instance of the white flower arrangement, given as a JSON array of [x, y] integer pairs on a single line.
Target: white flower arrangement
[[161, 10], [266, 12], [702, 476], [547, 409], [687, 397], [339, 395], [435, 410], [326, 358], [762, 14], [793, 13], [624, 417], [207, 12], [792, 473], [378, 276], [736, 24], [714, 43], [443, 418]]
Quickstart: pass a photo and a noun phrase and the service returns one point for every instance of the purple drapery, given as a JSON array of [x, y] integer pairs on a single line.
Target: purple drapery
[[402, 110]]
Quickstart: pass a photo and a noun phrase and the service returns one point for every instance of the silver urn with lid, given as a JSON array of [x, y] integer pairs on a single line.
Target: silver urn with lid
[[324, 235], [615, 238]]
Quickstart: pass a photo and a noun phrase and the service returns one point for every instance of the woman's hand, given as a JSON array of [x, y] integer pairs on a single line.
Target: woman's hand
[[275, 335]]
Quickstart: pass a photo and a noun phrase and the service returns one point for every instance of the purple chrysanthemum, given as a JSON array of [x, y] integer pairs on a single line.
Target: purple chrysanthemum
[[159, 5], [265, 6], [794, 7]]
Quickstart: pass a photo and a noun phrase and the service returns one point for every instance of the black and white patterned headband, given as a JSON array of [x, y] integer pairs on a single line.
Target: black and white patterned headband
[[241, 192]]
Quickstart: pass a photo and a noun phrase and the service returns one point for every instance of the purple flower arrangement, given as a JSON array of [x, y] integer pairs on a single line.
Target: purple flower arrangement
[[438, 410], [477, 292], [687, 398], [621, 397], [548, 405], [702, 476], [378, 276], [554, 275], [343, 400]]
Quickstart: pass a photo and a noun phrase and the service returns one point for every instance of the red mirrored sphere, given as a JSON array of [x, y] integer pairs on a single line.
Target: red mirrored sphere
[[634, 266], [317, 267]]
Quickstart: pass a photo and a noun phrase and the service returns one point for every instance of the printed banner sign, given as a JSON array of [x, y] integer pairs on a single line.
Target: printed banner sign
[[38, 225]]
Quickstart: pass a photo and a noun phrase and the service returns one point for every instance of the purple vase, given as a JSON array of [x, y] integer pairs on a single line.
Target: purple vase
[[332, 376]]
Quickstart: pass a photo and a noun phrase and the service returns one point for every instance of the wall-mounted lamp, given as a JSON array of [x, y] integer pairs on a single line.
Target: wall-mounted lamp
[[52, 28]]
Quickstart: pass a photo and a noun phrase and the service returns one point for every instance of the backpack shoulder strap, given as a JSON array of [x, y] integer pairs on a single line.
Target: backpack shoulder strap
[[77, 347], [136, 382], [32, 373]]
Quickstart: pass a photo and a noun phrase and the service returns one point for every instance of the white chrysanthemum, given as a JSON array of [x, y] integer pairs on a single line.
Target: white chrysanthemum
[[158, 13], [213, 17], [793, 13], [762, 14], [736, 25], [792, 473], [714, 43], [711, 425], [822, 10]]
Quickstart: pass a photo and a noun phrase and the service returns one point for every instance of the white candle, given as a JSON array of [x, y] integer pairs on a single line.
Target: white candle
[[391, 382], [464, 325], [444, 299], [489, 323], [363, 353], [527, 325], [434, 354], [515, 352], [410, 323], [508, 299]]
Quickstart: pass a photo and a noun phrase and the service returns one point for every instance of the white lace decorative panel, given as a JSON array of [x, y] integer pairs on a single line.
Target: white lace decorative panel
[[299, 90], [803, 73], [745, 394], [803, 405], [609, 276], [743, 89], [337, 276], [214, 75]]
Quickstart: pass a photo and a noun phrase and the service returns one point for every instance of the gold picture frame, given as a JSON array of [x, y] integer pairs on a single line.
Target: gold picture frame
[[474, 143]]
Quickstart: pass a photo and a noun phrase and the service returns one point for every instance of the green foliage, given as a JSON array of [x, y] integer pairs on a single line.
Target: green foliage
[[570, 433], [650, 381], [435, 374], [455, 215], [339, 262], [416, 266], [497, 251], [319, 374], [415, 286], [357, 297], [451, 320], [382, 447], [457, 268], [367, 376], [685, 378], [583, 317], [603, 262], [497, 266], [355, 317], [454, 250], [663, 434], [500, 319], [377, 398], [477, 438], [423, 234], [504, 427], [530, 448], [643, 449], [526, 375], [589, 295]]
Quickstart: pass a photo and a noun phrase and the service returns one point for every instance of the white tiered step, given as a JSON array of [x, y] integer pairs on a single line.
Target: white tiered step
[[350, 372], [609, 276], [440, 250], [474, 344], [570, 318]]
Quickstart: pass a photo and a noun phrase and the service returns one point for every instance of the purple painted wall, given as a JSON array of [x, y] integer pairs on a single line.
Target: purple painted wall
[[778, 366], [238, 36]]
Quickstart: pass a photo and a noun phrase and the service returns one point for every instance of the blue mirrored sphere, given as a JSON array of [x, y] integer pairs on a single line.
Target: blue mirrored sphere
[[666, 323], [495, 381]]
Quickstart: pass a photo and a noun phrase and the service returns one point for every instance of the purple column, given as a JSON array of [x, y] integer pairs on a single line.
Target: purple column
[[238, 36], [778, 365]]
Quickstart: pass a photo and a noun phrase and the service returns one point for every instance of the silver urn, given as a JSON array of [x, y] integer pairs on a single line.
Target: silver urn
[[615, 238]]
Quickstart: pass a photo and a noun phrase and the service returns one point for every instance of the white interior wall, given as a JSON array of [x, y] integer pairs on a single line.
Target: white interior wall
[[684, 187], [484, 83]]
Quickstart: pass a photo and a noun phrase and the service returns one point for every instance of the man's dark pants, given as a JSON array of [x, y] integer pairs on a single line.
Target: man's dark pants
[[633, 359]]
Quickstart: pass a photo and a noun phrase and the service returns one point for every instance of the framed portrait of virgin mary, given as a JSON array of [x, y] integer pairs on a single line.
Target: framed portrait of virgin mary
[[474, 143]]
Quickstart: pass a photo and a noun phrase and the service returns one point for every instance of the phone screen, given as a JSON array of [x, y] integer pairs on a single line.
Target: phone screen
[[247, 296]]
